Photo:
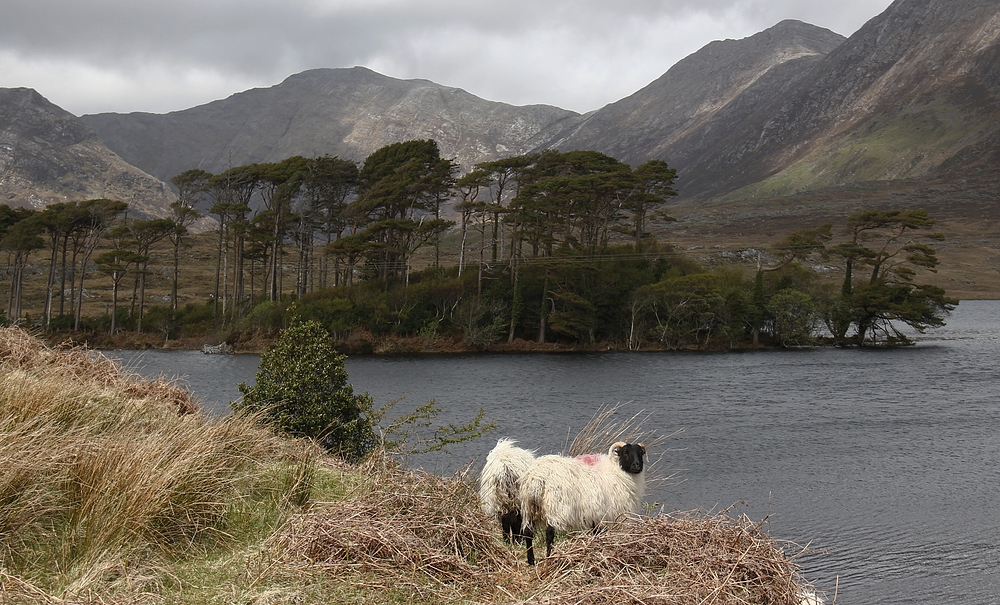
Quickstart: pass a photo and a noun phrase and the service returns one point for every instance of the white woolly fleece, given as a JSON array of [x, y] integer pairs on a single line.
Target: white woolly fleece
[[578, 493], [498, 481]]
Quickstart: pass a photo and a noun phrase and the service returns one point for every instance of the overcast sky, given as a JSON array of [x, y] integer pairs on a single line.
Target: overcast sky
[[91, 56]]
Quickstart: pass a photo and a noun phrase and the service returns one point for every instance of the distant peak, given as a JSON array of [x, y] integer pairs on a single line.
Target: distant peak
[[801, 29]]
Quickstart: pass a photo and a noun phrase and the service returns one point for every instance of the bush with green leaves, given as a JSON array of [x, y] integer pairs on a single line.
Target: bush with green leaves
[[794, 317], [302, 389]]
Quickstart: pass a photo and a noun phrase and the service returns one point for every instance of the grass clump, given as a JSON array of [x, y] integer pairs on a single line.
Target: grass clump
[[104, 476], [418, 538]]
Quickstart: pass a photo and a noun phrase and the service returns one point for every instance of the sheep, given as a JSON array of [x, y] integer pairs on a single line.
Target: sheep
[[561, 493], [498, 486]]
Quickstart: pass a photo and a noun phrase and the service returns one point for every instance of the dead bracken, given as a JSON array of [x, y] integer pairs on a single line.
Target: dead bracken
[[424, 537]]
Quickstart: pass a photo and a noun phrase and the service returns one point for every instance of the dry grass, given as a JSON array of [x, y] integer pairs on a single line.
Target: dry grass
[[19, 350], [605, 428], [100, 477], [673, 559], [412, 532], [419, 538]]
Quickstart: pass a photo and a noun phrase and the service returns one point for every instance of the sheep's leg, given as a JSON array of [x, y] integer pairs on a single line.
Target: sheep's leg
[[524, 535], [550, 537], [517, 532], [510, 530], [531, 550]]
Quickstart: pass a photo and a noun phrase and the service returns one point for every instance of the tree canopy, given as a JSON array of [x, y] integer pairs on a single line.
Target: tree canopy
[[564, 246]]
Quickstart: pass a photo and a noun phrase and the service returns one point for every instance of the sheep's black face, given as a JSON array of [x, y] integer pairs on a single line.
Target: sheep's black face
[[630, 457]]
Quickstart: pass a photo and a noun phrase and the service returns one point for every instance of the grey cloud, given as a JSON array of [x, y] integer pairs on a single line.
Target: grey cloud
[[477, 45]]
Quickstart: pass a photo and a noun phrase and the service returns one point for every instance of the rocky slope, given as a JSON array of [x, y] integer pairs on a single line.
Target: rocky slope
[[692, 95], [48, 155], [912, 94], [343, 112]]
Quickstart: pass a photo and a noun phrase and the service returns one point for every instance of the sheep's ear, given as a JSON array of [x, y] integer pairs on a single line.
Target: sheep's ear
[[643, 448]]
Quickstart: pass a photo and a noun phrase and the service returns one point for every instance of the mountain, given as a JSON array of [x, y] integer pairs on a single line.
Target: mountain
[[796, 108], [48, 155], [686, 102], [343, 112], [912, 95]]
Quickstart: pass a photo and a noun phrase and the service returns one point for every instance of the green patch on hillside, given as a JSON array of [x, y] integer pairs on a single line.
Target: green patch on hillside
[[909, 144]]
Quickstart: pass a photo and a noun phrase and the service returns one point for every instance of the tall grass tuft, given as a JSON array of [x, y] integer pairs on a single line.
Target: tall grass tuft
[[19, 350], [99, 475]]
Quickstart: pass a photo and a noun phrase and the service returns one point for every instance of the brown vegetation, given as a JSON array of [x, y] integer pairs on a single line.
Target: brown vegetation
[[417, 537], [713, 233], [22, 351]]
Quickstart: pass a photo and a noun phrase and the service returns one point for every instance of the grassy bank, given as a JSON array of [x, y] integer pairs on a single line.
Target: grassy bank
[[114, 489]]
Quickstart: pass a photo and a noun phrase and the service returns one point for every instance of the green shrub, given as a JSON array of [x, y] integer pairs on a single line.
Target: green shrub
[[196, 319], [302, 389], [794, 317], [267, 315]]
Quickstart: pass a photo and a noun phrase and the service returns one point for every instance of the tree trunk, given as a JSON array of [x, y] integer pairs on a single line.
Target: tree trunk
[[50, 284], [515, 304], [543, 316], [78, 312], [114, 302], [142, 298], [177, 263], [218, 268], [62, 277]]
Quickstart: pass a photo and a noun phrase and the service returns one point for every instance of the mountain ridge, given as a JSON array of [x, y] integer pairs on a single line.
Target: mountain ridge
[[48, 155], [717, 73], [347, 112]]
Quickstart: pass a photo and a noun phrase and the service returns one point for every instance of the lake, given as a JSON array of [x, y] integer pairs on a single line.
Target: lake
[[885, 462]]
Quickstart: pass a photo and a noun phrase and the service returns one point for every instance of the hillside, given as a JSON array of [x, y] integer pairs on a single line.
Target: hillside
[[693, 96], [47, 155], [340, 112], [912, 95]]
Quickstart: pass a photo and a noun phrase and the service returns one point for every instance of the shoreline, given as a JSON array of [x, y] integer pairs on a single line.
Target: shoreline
[[386, 346], [256, 344], [360, 342]]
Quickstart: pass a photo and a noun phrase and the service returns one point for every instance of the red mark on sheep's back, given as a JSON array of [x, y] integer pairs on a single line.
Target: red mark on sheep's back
[[589, 459]]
